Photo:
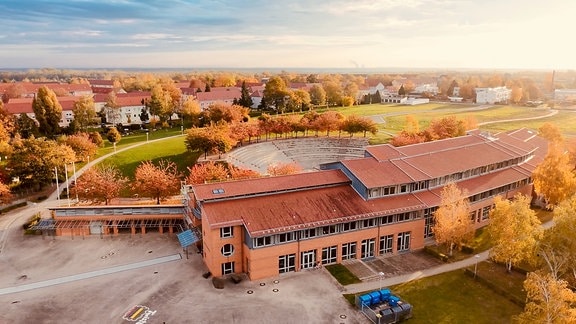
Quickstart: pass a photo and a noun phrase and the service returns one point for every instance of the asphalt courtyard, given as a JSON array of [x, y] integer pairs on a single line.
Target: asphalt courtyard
[[149, 279]]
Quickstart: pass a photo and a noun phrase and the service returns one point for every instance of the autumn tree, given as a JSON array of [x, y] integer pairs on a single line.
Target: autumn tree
[[317, 95], [554, 177], [5, 194], [96, 138], [549, 300], [514, 230], [356, 124], [191, 110], [452, 224], [33, 161], [47, 111], [84, 113], [113, 136], [278, 169], [551, 133], [446, 127], [206, 172], [100, 184], [82, 145], [157, 181], [276, 91], [333, 92], [111, 109], [301, 98], [239, 173], [328, 121], [26, 126], [221, 111], [212, 139]]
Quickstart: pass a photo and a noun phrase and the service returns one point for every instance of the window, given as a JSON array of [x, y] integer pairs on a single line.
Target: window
[[386, 242], [403, 217], [403, 241], [349, 251], [367, 248], [369, 223], [227, 250], [486, 212], [226, 232], [329, 254], [309, 233], [403, 188], [387, 219], [262, 241], [308, 259], [286, 237], [349, 226], [329, 229], [287, 263], [227, 268]]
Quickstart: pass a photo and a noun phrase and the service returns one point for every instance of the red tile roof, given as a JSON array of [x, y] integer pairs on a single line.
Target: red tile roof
[[24, 105], [230, 94], [281, 212]]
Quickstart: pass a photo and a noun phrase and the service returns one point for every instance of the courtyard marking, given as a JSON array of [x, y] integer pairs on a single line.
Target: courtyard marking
[[88, 275]]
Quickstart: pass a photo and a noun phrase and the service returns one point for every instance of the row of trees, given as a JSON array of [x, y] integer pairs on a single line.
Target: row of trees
[[446, 127], [517, 235]]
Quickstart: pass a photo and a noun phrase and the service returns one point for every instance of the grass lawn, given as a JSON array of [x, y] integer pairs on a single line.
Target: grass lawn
[[172, 149], [342, 274], [454, 297]]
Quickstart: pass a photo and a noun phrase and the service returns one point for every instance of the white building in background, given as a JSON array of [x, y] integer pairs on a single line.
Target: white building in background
[[426, 87], [565, 95], [493, 95]]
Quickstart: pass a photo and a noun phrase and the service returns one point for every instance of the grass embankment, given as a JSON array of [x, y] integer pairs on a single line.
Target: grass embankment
[[342, 274]]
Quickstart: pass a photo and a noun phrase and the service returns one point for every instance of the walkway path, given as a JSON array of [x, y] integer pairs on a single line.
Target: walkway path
[[88, 275]]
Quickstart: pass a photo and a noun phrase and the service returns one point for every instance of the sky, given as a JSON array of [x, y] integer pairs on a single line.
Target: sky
[[453, 34]]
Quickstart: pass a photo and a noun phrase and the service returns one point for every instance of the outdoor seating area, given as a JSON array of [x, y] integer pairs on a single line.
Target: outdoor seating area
[[382, 307], [307, 152]]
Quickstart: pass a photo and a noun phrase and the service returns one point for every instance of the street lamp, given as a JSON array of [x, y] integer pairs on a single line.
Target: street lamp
[[477, 256], [381, 276]]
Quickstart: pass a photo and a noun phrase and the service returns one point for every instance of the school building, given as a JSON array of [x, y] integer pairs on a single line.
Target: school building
[[378, 205]]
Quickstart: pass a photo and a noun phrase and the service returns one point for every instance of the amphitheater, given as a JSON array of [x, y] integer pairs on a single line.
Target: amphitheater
[[308, 152]]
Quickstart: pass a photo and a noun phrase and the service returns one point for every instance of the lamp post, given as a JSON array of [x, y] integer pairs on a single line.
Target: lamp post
[[380, 277], [477, 256]]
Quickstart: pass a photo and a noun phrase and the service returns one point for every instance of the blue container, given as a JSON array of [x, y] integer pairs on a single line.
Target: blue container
[[385, 294], [393, 300], [365, 299], [375, 297]]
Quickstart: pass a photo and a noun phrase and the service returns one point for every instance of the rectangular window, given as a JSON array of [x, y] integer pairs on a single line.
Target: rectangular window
[[387, 219], [369, 223], [308, 259], [226, 232], [403, 217], [262, 241], [326, 230], [287, 263], [367, 248], [349, 226], [403, 188], [386, 242], [349, 251], [227, 268], [309, 233], [286, 237], [486, 212], [403, 241], [329, 254]]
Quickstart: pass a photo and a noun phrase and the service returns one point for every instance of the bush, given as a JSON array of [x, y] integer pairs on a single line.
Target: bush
[[218, 283], [31, 222], [467, 249], [432, 250]]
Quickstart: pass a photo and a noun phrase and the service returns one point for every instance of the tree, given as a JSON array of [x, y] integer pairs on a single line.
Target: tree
[[551, 133], [549, 300], [100, 184], [5, 194], [191, 109], [220, 111], [317, 95], [351, 90], [333, 92], [328, 121], [112, 109], [516, 94], [283, 169], [82, 145], [446, 127], [245, 99], [157, 181], [275, 92], [48, 112], [113, 135], [26, 126], [212, 139], [84, 112], [554, 177], [33, 161], [206, 172], [347, 101], [452, 224], [238, 173], [96, 138], [352, 124], [559, 243], [401, 91], [514, 230]]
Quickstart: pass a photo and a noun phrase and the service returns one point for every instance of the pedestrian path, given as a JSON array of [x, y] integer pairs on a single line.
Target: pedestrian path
[[88, 275]]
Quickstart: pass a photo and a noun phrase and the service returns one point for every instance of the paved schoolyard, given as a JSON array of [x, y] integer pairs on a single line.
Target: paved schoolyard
[[96, 280]]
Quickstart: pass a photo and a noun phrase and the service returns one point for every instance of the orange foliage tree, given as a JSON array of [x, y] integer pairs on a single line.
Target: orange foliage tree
[[100, 184], [82, 145], [283, 169], [157, 181], [207, 172], [5, 194]]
